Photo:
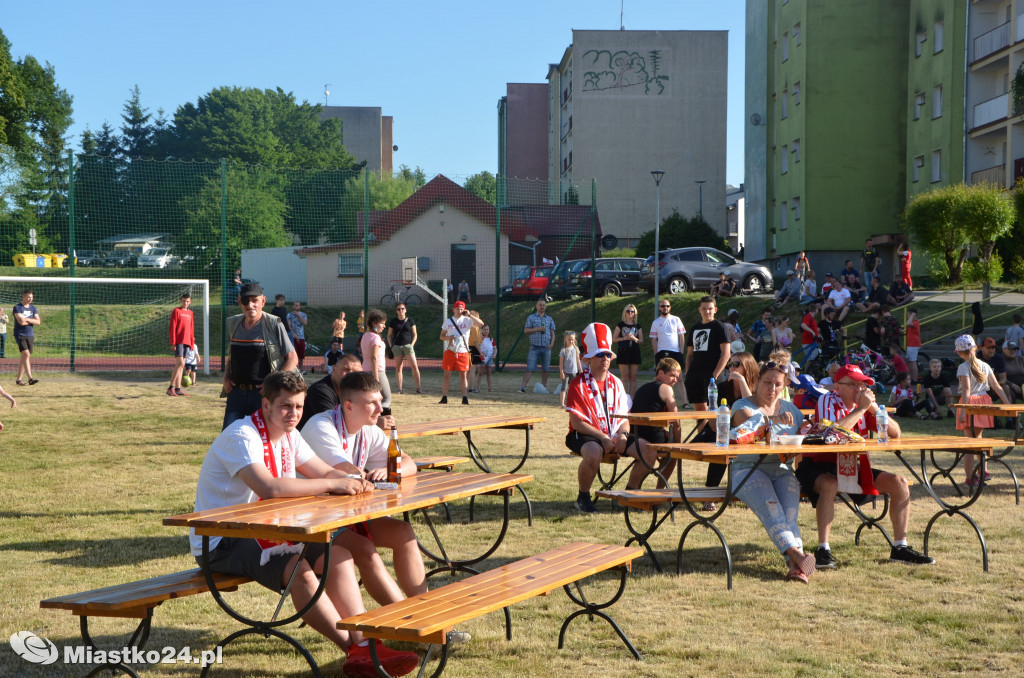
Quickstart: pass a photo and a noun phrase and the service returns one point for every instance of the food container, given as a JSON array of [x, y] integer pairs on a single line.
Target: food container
[[791, 439]]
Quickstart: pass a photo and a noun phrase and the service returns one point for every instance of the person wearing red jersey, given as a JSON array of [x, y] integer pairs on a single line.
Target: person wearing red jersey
[[592, 398], [852, 405], [183, 338]]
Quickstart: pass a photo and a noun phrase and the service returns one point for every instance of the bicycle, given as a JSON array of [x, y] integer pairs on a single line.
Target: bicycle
[[873, 364], [396, 296]]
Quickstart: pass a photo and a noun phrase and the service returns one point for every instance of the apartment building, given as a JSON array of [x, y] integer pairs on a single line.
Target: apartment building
[[367, 135]]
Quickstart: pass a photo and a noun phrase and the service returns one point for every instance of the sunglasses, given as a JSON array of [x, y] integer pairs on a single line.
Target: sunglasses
[[603, 354], [630, 311], [734, 364], [664, 306]]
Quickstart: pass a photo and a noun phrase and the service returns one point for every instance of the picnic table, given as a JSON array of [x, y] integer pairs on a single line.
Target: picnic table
[[466, 426], [999, 410], [315, 520], [926, 445]]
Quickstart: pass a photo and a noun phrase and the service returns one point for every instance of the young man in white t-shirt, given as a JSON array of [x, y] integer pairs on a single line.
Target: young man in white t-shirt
[[839, 299], [258, 457]]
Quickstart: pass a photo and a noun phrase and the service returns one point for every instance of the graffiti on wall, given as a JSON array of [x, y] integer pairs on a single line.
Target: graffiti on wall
[[623, 70]]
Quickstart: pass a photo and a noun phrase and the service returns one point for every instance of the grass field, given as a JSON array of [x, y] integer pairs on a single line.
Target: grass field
[[93, 464]]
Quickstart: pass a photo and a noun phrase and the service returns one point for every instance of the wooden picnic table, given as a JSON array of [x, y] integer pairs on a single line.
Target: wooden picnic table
[[466, 426], [999, 410], [927, 445], [315, 519]]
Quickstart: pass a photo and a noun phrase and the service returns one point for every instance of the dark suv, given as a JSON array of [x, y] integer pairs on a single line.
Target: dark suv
[[611, 277], [696, 268], [558, 282]]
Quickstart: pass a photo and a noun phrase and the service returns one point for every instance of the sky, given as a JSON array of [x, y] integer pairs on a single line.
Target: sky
[[438, 68]]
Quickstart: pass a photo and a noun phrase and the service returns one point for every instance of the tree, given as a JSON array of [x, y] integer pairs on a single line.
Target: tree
[[678, 231], [385, 193], [136, 132], [417, 175], [1010, 246], [483, 185], [948, 220]]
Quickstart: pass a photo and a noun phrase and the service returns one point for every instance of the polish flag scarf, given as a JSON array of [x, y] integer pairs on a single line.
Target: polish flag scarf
[[270, 548], [587, 402]]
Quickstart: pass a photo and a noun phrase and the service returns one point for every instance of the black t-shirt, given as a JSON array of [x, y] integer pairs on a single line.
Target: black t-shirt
[[872, 338], [401, 331], [281, 312], [879, 295], [935, 384], [706, 340], [320, 397], [647, 399], [332, 357], [996, 362], [831, 332]]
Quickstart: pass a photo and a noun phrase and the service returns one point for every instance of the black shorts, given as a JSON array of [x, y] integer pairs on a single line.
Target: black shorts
[[652, 434], [675, 355], [575, 442], [180, 350], [242, 556], [808, 471], [25, 343], [474, 355], [696, 385]]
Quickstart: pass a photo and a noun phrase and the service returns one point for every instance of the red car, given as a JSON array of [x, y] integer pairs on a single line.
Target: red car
[[531, 282]]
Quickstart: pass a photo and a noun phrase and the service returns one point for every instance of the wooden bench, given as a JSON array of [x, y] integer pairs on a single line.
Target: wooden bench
[[136, 600], [651, 500], [439, 462], [428, 618]]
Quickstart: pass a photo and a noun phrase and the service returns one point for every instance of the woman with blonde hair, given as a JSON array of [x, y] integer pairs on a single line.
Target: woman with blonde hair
[[976, 380], [629, 336]]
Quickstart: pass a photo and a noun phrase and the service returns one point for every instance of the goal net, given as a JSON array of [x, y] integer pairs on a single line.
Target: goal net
[[103, 324]]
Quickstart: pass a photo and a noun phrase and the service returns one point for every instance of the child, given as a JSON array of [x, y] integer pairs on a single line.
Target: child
[[902, 400], [568, 362], [976, 380], [937, 385], [332, 356], [913, 336], [899, 365], [488, 349], [782, 335], [5, 394], [192, 361]]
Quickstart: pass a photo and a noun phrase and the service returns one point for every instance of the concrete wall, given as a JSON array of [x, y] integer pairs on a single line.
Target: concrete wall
[[278, 271], [755, 131], [526, 150], [360, 132]]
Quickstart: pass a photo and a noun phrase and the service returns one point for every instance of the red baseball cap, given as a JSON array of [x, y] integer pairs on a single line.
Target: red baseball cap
[[459, 304], [853, 372]]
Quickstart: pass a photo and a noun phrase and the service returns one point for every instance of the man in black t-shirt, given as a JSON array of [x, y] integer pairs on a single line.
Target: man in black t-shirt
[[937, 387], [707, 352], [279, 311], [326, 394], [655, 396], [876, 297], [831, 333], [873, 330]]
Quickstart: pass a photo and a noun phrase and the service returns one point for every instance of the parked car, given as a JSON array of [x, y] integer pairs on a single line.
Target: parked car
[[159, 257], [117, 259], [86, 258], [696, 268], [610, 277], [558, 287], [531, 282]]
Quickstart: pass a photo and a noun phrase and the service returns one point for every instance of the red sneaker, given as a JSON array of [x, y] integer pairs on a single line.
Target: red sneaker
[[170, 392], [360, 665], [179, 392]]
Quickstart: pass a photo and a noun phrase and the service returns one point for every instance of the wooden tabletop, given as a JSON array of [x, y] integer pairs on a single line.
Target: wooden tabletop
[[452, 426], [314, 519], [995, 409], [710, 451], [665, 418]]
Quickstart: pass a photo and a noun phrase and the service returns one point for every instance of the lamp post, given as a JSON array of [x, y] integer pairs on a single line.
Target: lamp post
[[657, 174], [700, 193]]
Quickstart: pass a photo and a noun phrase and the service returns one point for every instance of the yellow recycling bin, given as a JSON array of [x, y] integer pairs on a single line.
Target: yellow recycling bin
[[32, 260], [57, 260]]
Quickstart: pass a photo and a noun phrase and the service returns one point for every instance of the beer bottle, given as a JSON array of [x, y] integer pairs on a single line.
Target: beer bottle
[[394, 459]]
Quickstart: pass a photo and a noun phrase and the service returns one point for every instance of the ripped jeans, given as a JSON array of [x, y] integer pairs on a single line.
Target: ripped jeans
[[773, 493]]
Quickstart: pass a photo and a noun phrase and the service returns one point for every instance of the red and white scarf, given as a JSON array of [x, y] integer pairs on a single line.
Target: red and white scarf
[[268, 547], [587, 402], [360, 451]]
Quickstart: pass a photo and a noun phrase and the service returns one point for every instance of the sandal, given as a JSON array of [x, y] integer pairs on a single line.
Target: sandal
[[797, 576], [19, 382]]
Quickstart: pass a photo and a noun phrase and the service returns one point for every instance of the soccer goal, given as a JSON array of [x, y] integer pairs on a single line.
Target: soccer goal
[[103, 324]]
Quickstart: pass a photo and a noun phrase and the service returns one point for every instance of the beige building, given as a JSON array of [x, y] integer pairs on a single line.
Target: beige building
[[450, 231]]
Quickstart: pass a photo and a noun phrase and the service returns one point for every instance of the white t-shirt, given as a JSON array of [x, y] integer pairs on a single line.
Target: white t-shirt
[[810, 287], [456, 343], [964, 370], [236, 447], [670, 331], [839, 297], [486, 347], [321, 434]]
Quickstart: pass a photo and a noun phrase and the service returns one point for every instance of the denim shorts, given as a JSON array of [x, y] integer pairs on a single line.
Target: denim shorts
[[538, 355]]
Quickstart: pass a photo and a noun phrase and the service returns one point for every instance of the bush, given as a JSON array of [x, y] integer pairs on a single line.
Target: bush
[[977, 271], [677, 231]]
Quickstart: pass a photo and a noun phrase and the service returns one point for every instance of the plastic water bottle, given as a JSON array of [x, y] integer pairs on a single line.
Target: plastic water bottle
[[883, 425], [712, 394], [722, 425]]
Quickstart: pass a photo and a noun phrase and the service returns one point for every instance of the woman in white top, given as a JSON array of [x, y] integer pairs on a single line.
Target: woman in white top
[[976, 380]]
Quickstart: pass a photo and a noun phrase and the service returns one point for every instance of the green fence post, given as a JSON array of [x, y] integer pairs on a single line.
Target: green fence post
[[71, 245], [497, 259], [223, 260], [366, 242]]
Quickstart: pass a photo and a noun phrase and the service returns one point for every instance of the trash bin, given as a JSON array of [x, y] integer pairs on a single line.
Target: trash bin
[[31, 260], [57, 260]]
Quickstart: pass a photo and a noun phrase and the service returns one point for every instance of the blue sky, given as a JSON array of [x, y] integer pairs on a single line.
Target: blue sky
[[437, 67]]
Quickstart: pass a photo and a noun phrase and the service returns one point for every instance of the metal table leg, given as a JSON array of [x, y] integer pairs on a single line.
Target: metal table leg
[[138, 640], [478, 459]]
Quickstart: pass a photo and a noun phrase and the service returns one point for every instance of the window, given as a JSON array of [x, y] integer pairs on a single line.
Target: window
[[936, 166], [918, 166], [350, 265], [796, 209], [785, 104], [716, 257], [785, 46], [796, 33], [632, 265], [606, 266], [919, 43], [937, 102], [918, 105], [783, 225], [940, 28], [796, 93], [689, 255], [785, 159], [796, 150]]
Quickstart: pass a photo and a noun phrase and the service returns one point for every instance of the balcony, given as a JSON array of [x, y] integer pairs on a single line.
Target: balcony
[[992, 41], [992, 110], [993, 175]]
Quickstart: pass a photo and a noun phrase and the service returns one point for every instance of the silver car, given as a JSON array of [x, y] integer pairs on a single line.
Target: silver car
[[696, 268]]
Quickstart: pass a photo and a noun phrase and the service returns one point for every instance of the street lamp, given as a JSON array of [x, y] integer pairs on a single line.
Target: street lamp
[[700, 190], [657, 174]]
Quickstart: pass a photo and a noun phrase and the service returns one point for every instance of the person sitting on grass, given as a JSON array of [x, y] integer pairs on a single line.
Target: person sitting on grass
[[348, 439], [725, 287], [790, 290], [594, 396], [900, 293], [259, 457], [655, 396], [938, 387], [851, 404], [902, 400], [771, 490]]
